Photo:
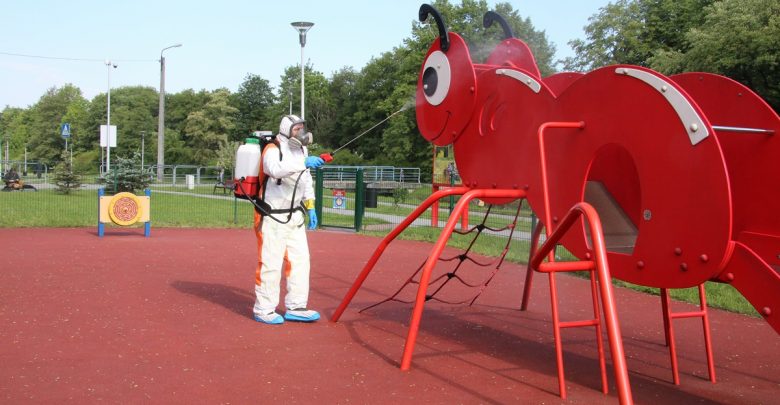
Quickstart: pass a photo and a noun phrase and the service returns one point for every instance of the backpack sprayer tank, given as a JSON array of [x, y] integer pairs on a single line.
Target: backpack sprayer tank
[[247, 173]]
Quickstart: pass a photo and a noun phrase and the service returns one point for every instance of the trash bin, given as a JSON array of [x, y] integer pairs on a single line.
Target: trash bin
[[371, 194]]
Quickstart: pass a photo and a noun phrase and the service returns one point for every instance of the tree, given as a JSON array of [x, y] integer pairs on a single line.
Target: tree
[[176, 150], [180, 105], [133, 110], [344, 95], [613, 36], [65, 178], [667, 22], [633, 31], [253, 98], [77, 115], [375, 86], [736, 38], [14, 129], [226, 155], [45, 143], [749, 53], [319, 106], [126, 175], [206, 130]]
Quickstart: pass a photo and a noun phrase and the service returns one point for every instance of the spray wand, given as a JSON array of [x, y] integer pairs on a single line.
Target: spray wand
[[328, 156]]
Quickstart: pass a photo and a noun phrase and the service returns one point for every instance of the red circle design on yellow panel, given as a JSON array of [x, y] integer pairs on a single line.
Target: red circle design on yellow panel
[[124, 209]]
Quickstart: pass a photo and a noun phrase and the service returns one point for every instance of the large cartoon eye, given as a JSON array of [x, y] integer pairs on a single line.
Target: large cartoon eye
[[436, 77]]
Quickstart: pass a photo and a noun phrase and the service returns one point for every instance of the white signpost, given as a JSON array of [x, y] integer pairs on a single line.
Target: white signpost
[[108, 142]]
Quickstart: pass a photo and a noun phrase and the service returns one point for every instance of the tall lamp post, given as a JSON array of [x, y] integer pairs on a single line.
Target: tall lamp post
[[109, 64], [161, 117], [143, 135], [302, 27]]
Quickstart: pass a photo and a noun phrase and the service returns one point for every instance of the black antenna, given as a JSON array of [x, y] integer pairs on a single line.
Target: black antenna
[[427, 9], [491, 17]]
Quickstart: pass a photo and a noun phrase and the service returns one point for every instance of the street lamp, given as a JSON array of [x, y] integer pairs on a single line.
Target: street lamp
[[161, 117], [108, 116], [143, 135], [302, 27]]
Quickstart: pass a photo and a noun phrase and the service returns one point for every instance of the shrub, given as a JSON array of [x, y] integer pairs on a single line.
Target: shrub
[[64, 176], [126, 175]]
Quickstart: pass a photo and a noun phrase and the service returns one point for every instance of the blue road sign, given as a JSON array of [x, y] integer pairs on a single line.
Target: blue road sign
[[65, 130]]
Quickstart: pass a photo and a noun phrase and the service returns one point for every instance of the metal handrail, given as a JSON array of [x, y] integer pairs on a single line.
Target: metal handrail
[[373, 174]]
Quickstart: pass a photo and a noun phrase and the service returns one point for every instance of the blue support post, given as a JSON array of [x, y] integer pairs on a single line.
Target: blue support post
[[101, 226], [148, 224]]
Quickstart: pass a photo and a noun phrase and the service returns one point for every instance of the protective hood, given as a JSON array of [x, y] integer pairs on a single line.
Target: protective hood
[[301, 137]]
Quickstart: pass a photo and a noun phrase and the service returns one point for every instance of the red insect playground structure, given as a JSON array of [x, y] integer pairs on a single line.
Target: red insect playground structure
[[660, 181]]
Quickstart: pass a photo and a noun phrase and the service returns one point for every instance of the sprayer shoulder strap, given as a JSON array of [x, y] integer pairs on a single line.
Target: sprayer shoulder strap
[[263, 178]]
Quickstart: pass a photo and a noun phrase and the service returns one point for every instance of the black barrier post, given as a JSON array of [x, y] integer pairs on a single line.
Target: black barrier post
[[235, 209], [452, 198], [359, 199], [371, 197]]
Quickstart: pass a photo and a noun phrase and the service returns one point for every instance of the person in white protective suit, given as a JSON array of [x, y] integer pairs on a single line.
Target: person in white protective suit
[[281, 237]]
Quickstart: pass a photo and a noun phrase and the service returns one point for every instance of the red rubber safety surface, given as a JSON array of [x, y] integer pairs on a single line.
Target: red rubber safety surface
[[168, 319]]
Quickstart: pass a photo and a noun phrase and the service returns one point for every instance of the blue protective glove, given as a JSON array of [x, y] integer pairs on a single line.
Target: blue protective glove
[[313, 162], [312, 219]]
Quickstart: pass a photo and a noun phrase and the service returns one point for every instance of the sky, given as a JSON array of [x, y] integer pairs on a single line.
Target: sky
[[222, 41]]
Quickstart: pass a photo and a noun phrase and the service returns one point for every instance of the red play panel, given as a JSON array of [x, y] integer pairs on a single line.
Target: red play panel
[[167, 319]]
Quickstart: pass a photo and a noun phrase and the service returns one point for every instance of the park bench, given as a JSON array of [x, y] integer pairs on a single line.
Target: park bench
[[225, 185]]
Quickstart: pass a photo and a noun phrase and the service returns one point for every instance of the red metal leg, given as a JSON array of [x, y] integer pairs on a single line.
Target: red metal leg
[[529, 273], [665, 311], [464, 221], [386, 241], [599, 343], [433, 257], [669, 331], [707, 336], [557, 336]]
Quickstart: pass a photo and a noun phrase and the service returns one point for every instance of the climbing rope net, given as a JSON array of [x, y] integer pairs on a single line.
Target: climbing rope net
[[438, 283]]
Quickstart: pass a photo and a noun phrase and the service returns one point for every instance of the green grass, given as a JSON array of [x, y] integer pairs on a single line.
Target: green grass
[[486, 245], [386, 204], [47, 208], [722, 296], [719, 295], [347, 220]]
